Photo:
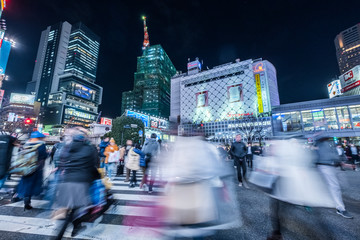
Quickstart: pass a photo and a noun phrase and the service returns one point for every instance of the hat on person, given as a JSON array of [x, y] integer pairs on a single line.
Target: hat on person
[[37, 134], [112, 140], [153, 135]]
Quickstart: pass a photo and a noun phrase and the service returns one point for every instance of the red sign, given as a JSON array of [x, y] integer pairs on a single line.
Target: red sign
[[351, 86], [239, 114], [349, 75], [106, 121]]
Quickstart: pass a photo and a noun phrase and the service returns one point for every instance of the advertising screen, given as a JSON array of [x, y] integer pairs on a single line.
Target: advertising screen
[[4, 55], [202, 99], [22, 98], [158, 123], [82, 91], [235, 93], [334, 88], [350, 81], [144, 118]]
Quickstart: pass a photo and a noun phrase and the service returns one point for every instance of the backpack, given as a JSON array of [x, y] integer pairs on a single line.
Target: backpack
[[26, 162]]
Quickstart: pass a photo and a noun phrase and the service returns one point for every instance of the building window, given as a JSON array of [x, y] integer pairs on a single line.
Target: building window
[[331, 120], [319, 119], [355, 114], [307, 121], [344, 117]]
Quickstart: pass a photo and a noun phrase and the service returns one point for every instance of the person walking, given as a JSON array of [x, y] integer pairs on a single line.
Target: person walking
[[327, 160], [31, 185], [133, 162], [249, 155], [7, 144], [78, 170], [129, 145], [151, 150], [104, 143], [110, 160], [238, 152]]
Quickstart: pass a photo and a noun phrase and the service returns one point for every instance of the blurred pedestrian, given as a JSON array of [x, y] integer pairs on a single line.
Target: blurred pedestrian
[[249, 155], [328, 159], [151, 149], [31, 185], [78, 170], [238, 152], [7, 144], [104, 143], [112, 156]]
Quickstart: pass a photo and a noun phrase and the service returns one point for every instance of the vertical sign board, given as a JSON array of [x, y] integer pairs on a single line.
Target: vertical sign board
[[1, 96], [258, 93], [264, 92], [106, 121], [334, 88], [4, 55]]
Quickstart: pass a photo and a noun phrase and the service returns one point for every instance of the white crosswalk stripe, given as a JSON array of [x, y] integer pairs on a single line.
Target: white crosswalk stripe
[[129, 202]]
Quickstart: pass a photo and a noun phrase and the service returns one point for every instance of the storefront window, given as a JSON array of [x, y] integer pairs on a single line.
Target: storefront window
[[307, 120], [319, 120], [344, 118], [355, 114], [331, 118]]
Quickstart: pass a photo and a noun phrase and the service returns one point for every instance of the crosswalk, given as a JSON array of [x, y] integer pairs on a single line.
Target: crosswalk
[[127, 218]]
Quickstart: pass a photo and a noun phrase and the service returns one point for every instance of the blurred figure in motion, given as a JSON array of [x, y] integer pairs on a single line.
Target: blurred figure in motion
[[31, 182], [7, 144], [112, 156], [104, 143], [77, 168], [327, 160], [223, 153], [199, 194], [133, 163], [238, 152], [288, 174], [354, 153], [151, 150]]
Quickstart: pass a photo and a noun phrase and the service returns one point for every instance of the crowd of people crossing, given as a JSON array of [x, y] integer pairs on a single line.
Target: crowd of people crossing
[[196, 176]]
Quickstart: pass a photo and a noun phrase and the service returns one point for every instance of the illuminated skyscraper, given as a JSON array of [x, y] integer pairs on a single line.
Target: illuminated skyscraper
[[64, 75], [347, 44]]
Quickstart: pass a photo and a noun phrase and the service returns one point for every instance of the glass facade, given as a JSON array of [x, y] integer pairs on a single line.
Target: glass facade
[[151, 92], [340, 118], [83, 52]]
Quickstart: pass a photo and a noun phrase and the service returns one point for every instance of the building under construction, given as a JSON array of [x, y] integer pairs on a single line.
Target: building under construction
[[151, 92]]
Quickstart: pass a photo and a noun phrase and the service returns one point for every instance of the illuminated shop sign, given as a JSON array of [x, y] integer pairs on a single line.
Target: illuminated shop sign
[[4, 55], [106, 121], [248, 124], [258, 93], [261, 92], [230, 115], [158, 123], [83, 92], [258, 67], [144, 118], [22, 98], [350, 79], [75, 113]]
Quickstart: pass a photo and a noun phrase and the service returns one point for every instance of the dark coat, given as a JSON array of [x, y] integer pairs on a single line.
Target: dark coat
[[102, 147], [238, 149], [78, 162], [6, 148]]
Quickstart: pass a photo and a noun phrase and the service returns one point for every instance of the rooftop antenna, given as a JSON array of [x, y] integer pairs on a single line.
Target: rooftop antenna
[[146, 42]]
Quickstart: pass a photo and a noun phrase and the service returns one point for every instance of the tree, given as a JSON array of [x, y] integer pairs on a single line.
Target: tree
[[122, 130]]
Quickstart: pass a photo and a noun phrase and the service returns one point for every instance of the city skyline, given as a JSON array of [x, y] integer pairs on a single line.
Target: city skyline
[[305, 59]]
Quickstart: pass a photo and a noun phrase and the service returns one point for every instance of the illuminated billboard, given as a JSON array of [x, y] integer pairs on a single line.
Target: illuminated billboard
[[22, 98], [235, 93], [83, 92], [202, 99], [158, 123], [106, 121], [350, 81], [143, 117], [4, 55], [334, 88]]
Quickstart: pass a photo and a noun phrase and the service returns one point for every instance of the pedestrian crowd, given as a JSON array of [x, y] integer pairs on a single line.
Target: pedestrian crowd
[[198, 183]]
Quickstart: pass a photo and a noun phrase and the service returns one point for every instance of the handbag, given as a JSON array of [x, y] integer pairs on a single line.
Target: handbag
[[114, 157], [97, 192], [263, 180]]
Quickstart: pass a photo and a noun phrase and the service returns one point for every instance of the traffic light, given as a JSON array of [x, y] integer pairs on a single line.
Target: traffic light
[[28, 121]]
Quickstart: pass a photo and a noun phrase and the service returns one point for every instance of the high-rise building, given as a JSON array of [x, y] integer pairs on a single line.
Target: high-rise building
[[347, 45], [64, 75], [151, 92]]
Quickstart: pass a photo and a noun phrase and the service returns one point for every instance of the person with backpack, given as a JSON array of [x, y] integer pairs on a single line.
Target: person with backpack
[[112, 156], [31, 182], [104, 143], [151, 150]]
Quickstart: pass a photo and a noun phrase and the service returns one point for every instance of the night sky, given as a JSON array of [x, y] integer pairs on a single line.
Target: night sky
[[297, 36]]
